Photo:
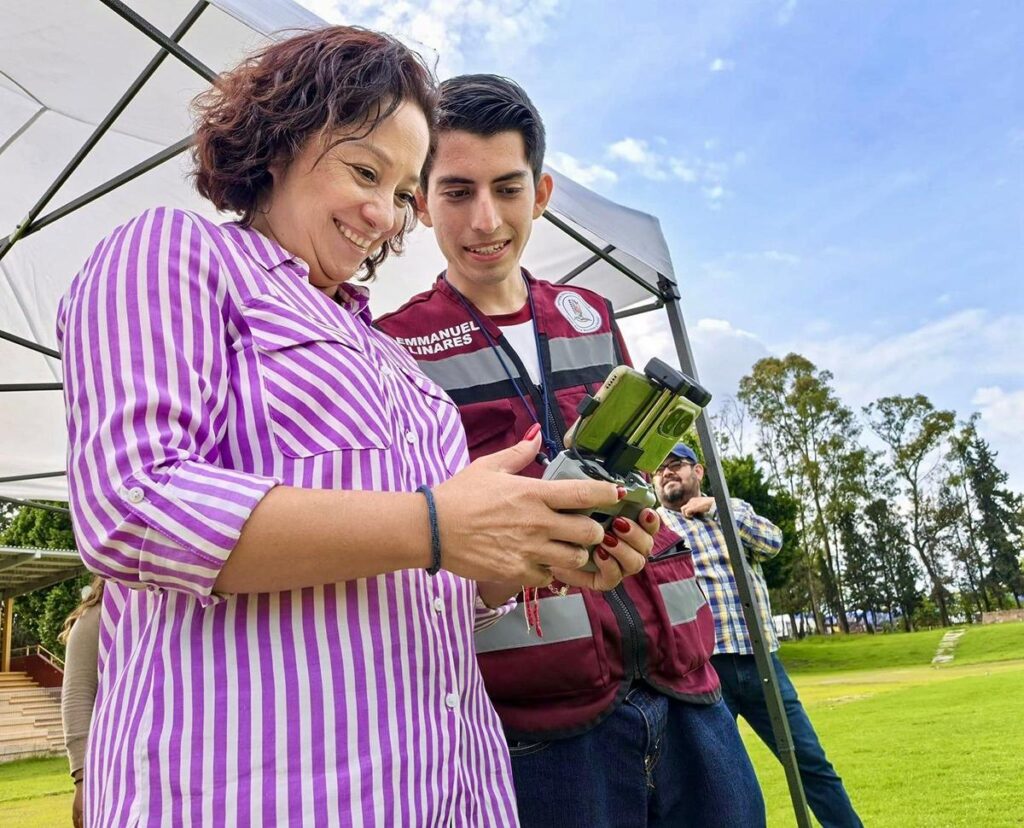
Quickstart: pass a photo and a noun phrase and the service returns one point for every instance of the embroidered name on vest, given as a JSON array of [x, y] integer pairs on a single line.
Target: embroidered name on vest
[[440, 340]]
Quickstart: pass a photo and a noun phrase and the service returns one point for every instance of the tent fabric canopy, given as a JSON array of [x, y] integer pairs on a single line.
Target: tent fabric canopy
[[63, 65]]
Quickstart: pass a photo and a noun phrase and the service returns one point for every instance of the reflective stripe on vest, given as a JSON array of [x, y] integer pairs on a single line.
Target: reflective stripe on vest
[[481, 367], [564, 619], [581, 352], [682, 601]]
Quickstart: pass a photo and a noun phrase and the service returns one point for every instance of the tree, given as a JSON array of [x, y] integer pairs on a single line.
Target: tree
[[806, 434], [959, 499], [39, 616], [914, 431], [748, 482], [998, 510], [728, 425], [885, 539]]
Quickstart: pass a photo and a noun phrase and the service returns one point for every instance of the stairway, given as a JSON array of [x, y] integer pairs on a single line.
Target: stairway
[[30, 723]]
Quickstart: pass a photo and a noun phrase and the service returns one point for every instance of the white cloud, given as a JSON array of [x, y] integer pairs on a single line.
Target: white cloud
[[785, 13], [637, 152], [782, 258], [748, 265], [449, 27], [658, 166], [682, 171], [589, 175], [723, 352], [714, 195], [952, 351], [721, 65]]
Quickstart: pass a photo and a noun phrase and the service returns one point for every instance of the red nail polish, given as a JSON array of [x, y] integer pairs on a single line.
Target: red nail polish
[[531, 432], [611, 541], [649, 516], [620, 491], [601, 553], [621, 524]]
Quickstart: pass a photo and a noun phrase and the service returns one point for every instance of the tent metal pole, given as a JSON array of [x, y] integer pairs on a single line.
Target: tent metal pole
[[738, 561], [576, 271], [31, 504], [651, 306], [86, 198], [154, 34], [593, 248], [31, 386], [36, 476], [28, 343], [26, 225]]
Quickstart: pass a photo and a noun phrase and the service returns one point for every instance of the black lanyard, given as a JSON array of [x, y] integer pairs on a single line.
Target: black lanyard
[[550, 444]]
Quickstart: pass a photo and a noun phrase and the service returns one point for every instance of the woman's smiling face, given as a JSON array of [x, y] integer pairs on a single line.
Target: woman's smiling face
[[335, 209]]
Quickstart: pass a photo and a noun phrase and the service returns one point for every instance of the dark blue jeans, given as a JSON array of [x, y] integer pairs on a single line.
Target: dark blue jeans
[[741, 689], [653, 762]]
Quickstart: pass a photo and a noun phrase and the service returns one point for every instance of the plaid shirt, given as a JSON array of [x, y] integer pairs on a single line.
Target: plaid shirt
[[762, 540]]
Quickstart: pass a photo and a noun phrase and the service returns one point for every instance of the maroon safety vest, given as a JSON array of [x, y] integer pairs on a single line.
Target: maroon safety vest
[[655, 626]]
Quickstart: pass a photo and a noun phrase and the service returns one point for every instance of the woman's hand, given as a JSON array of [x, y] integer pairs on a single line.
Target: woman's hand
[[77, 818], [496, 526], [623, 552]]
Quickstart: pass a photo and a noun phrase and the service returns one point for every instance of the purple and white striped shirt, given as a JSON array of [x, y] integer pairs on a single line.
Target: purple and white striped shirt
[[201, 369]]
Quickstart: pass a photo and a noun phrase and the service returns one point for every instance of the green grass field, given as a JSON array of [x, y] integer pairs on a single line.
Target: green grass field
[[916, 745], [36, 793], [935, 747]]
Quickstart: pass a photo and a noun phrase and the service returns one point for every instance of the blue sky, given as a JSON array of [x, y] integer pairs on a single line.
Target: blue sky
[[844, 179]]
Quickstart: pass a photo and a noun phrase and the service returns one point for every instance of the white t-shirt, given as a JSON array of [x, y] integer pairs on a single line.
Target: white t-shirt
[[518, 331]]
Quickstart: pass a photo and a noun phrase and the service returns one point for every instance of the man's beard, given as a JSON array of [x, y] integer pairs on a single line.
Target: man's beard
[[676, 495]]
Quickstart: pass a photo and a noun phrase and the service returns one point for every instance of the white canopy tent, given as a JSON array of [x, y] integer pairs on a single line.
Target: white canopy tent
[[83, 148], [63, 65]]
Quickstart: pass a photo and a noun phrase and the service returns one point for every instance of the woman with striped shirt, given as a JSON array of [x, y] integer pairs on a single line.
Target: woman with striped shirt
[[297, 551]]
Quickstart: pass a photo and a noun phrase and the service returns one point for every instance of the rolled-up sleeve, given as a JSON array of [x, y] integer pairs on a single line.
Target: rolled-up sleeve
[[484, 616], [144, 334]]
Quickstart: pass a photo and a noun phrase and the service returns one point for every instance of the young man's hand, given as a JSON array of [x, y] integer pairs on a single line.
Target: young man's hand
[[697, 506]]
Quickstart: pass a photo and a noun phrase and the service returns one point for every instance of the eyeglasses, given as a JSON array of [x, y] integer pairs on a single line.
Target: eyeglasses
[[673, 465]]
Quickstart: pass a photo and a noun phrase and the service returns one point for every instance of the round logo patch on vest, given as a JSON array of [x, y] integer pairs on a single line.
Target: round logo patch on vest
[[577, 312]]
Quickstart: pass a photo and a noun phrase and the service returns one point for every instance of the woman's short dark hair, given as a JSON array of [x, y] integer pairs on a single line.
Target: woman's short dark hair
[[485, 105], [262, 112]]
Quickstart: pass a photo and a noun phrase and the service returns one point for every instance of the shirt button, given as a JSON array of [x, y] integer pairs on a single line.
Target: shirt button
[[300, 262], [385, 370], [451, 699], [438, 605], [410, 437], [136, 495]]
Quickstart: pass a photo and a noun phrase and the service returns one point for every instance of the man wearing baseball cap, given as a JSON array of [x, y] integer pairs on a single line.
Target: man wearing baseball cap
[[688, 512]]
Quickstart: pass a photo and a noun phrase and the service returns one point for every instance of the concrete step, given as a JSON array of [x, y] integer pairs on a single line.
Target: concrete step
[[14, 678], [30, 718]]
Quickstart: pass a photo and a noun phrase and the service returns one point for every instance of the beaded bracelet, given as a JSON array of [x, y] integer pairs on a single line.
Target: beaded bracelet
[[435, 532]]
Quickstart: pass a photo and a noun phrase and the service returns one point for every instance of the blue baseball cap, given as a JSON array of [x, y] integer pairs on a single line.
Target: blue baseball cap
[[684, 452]]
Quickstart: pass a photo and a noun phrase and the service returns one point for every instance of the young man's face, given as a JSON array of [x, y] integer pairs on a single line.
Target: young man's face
[[482, 202]]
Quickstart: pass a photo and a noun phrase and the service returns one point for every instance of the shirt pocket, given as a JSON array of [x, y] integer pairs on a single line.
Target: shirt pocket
[[321, 389], [433, 418]]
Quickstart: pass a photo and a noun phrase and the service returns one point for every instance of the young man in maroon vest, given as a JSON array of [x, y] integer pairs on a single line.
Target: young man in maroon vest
[[614, 716]]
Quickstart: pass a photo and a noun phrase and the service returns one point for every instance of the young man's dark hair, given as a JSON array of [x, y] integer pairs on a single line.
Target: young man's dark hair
[[486, 105]]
